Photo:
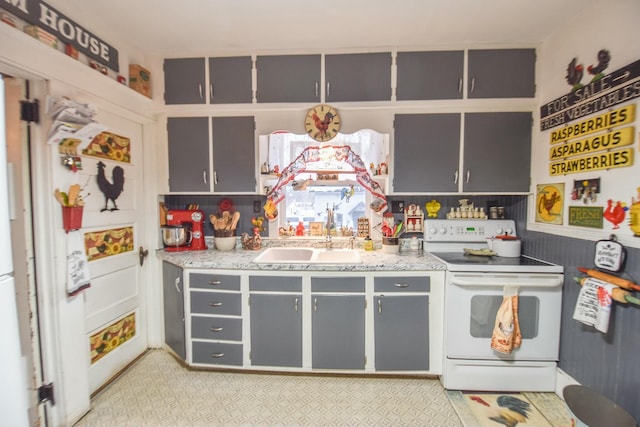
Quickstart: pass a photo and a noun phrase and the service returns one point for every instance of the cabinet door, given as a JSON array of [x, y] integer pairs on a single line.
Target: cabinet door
[[497, 152], [173, 292], [358, 77], [502, 73], [402, 333], [288, 78], [234, 162], [429, 75], [276, 330], [188, 153], [426, 152], [338, 332], [184, 81], [230, 80]]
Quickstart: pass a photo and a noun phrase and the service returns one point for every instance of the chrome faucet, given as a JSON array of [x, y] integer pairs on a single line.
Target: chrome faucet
[[329, 225]]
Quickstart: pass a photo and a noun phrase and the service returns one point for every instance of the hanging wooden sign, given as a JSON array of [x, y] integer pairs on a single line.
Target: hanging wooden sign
[[585, 216], [609, 160], [603, 141], [619, 117]]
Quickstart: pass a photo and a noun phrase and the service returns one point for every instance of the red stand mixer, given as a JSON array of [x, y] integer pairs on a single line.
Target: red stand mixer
[[181, 223]]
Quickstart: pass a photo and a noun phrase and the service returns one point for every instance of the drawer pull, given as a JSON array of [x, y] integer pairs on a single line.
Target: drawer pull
[[215, 282], [215, 304], [401, 285], [216, 329], [217, 355], [379, 305]]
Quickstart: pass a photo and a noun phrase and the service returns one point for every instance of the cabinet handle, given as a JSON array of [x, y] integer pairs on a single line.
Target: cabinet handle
[[455, 177], [210, 92], [296, 305], [204, 176], [215, 304], [215, 177], [473, 84], [177, 282], [328, 89], [216, 329], [460, 85], [316, 88], [200, 90], [468, 176], [217, 355], [401, 285], [215, 282], [315, 304], [379, 305]]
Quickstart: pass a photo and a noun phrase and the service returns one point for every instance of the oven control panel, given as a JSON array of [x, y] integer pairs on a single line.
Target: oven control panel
[[466, 230]]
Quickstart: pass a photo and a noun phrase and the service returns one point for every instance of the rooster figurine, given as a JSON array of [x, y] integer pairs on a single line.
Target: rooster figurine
[[603, 62], [574, 75], [615, 214], [111, 190]]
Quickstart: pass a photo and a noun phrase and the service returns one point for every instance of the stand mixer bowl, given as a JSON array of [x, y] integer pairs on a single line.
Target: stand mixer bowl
[[176, 235]]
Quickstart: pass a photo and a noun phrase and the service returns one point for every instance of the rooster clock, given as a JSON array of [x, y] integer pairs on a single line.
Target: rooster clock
[[322, 122]]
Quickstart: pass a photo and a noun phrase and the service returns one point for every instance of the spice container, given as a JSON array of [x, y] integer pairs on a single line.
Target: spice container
[[368, 244]]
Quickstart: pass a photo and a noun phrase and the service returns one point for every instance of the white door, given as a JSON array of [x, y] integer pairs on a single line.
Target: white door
[[112, 231]]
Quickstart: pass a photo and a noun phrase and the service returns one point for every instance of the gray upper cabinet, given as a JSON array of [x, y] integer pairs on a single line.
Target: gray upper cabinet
[[234, 154], [288, 78], [426, 152], [173, 293], [358, 77], [497, 151], [501, 73], [184, 81], [230, 80], [189, 166], [429, 75]]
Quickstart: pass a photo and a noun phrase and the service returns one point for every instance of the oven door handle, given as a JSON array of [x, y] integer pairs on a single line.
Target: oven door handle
[[490, 280]]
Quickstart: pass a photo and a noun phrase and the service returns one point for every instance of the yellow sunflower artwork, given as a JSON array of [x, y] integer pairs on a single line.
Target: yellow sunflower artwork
[[105, 243], [110, 146]]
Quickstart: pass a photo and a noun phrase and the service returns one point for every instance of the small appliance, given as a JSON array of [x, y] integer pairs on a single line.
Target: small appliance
[[193, 219]]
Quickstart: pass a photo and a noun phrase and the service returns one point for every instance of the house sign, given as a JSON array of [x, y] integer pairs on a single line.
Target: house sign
[[42, 15]]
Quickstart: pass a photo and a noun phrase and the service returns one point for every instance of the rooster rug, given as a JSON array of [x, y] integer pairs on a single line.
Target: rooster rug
[[482, 409]]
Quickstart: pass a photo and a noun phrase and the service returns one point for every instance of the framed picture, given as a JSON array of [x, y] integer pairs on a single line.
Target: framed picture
[[315, 228], [549, 203]]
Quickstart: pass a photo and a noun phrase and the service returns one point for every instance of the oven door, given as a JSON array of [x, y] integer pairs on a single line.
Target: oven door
[[472, 301]]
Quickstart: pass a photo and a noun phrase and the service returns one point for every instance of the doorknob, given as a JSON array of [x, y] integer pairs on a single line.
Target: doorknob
[[142, 253]]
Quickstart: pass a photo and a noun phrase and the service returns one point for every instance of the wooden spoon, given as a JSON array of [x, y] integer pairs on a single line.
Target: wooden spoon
[[214, 221], [234, 220]]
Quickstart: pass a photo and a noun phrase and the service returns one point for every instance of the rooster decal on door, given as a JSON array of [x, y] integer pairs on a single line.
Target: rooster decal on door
[[111, 189]]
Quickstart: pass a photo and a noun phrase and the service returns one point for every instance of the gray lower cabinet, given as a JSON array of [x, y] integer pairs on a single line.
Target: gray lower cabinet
[[501, 73], [358, 77], [429, 75], [275, 305], [234, 162], [188, 140], [230, 80], [184, 81], [426, 152], [288, 78], [497, 151], [401, 332], [173, 293]]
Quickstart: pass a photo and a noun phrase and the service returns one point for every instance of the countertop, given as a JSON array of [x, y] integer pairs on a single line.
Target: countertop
[[240, 259]]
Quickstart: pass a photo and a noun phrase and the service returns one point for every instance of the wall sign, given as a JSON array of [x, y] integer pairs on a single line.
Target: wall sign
[[585, 216], [604, 141], [549, 203], [42, 15], [621, 116], [609, 160]]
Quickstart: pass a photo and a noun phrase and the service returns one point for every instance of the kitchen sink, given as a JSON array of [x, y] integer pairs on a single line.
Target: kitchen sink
[[308, 256]]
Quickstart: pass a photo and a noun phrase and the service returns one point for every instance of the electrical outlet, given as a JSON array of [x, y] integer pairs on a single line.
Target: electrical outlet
[[256, 206], [397, 206]]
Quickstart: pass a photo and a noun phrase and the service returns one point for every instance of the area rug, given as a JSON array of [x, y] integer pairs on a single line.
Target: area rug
[[482, 409]]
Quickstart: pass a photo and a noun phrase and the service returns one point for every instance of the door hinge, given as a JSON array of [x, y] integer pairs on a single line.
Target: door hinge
[[45, 394], [30, 111]]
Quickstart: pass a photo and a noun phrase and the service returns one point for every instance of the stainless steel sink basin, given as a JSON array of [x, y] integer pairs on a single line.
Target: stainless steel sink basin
[[292, 255]]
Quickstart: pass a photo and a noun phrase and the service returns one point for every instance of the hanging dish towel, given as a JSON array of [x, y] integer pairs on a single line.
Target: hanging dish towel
[[77, 264], [593, 306], [506, 331]]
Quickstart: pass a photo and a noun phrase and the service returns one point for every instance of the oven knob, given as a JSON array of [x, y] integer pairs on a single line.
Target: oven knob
[[443, 230], [433, 230], [498, 231]]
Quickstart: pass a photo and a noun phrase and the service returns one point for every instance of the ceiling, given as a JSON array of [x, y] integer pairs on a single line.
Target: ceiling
[[181, 28]]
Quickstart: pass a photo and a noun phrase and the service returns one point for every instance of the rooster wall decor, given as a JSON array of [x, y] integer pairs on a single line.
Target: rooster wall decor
[[575, 71], [111, 189]]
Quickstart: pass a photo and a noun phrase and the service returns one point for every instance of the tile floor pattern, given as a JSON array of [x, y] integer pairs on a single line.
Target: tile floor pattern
[[157, 391]]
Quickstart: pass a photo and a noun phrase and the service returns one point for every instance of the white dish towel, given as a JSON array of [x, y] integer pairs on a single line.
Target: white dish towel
[[77, 265], [593, 306]]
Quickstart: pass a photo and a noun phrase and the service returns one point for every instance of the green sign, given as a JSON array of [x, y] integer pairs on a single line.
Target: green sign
[[586, 216]]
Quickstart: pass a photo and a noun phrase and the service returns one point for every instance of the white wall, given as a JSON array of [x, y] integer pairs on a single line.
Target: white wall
[[614, 26]]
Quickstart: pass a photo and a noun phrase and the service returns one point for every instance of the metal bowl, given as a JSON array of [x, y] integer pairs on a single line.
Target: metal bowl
[[175, 235]]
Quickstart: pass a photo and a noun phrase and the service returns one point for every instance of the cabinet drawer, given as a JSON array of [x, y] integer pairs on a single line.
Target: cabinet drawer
[[214, 281], [217, 353], [275, 283], [216, 303], [337, 284], [402, 284], [216, 328]]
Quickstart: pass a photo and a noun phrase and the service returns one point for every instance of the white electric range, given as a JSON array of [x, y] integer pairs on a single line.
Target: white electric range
[[474, 290]]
